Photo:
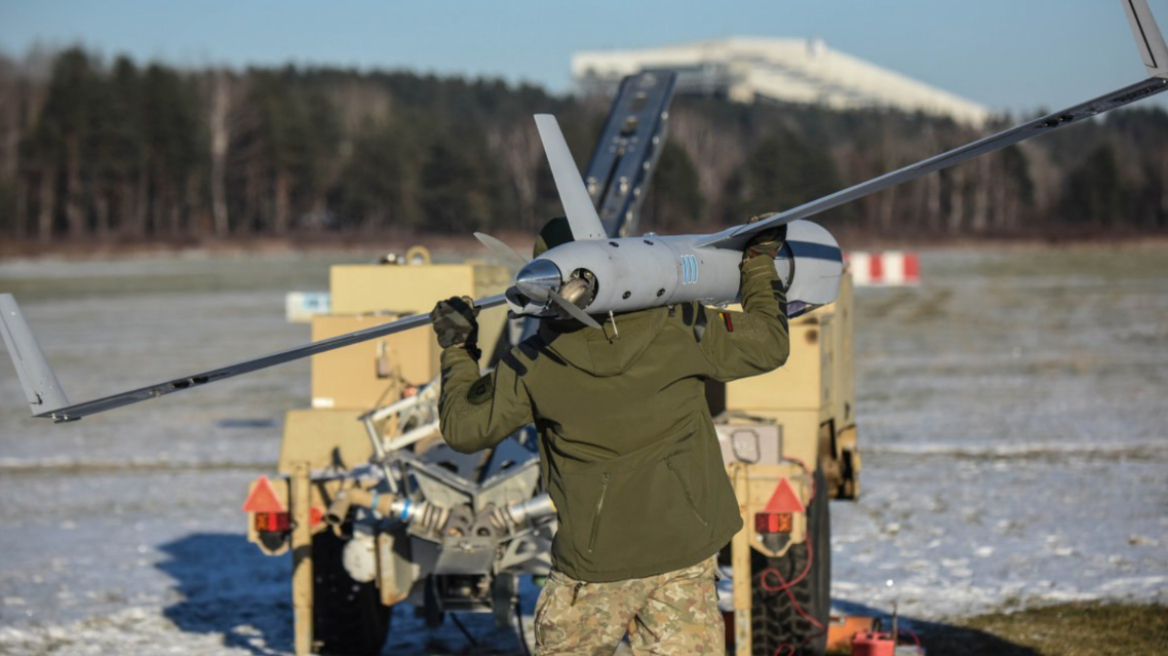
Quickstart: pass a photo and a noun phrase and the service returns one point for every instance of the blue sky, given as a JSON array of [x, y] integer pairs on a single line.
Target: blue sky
[[1009, 54]]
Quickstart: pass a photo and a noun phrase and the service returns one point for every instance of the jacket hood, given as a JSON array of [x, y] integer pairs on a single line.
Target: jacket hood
[[604, 353]]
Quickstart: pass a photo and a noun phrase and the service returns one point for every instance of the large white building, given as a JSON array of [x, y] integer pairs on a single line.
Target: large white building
[[789, 70]]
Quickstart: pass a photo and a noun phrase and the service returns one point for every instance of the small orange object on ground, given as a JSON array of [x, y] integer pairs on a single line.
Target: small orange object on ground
[[873, 644]]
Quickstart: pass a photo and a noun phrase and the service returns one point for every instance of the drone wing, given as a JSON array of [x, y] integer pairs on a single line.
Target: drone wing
[[1154, 51], [48, 400]]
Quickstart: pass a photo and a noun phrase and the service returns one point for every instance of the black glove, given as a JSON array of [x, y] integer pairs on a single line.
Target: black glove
[[768, 242], [455, 323]]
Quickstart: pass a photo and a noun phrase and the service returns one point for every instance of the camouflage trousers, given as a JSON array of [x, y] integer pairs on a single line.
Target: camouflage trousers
[[672, 613]]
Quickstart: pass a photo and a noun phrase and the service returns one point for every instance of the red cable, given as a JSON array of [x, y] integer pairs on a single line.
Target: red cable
[[784, 583], [790, 595], [916, 639]]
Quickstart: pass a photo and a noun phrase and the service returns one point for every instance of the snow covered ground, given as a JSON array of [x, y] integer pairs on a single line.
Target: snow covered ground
[[1010, 416]]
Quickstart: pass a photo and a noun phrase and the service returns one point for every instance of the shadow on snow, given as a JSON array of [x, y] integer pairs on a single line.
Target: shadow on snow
[[227, 586]]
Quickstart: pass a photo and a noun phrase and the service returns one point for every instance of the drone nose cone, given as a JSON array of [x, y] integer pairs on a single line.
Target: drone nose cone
[[538, 279]]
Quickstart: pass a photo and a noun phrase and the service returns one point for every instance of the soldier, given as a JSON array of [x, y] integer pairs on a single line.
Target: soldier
[[628, 453]]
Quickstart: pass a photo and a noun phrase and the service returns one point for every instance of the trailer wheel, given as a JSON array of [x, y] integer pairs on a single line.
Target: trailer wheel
[[777, 626], [348, 618]]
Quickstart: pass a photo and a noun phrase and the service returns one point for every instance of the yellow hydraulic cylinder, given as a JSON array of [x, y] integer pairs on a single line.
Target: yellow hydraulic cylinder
[[302, 558]]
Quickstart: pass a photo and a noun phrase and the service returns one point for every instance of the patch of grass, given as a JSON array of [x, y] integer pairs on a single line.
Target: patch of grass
[[1074, 629]]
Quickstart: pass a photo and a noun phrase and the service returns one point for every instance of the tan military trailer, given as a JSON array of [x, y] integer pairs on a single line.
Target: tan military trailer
[[373, 419], [478, 522]]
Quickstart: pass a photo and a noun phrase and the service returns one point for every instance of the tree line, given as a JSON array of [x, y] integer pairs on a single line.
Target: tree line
[[109, 150]]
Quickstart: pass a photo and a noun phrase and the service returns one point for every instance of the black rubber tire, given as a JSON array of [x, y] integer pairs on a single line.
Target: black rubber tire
[[774, 620], [348, 618], [432, 613]]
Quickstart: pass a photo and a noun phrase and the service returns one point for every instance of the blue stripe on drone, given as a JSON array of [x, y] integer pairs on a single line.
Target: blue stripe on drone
[[689, 269], [815, 251]]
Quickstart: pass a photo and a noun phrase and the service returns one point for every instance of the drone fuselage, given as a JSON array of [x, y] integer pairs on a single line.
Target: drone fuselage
[[637, 273]]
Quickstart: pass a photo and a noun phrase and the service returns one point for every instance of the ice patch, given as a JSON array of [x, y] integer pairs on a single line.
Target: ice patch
[[131, 632], [1158, 584]]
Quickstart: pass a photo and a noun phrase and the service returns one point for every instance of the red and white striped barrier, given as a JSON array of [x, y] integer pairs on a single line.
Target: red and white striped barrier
[[887, 269]]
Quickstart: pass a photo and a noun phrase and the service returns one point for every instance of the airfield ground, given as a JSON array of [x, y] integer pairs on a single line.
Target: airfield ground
[[1012, 418]]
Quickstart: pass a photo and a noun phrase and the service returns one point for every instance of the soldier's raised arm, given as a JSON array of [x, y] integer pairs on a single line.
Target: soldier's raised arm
[[754, 341], [476, 412]]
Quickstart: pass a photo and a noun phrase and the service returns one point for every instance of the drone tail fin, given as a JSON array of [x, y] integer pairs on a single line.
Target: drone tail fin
[[1149, 39], [40, 384], [578, 207]]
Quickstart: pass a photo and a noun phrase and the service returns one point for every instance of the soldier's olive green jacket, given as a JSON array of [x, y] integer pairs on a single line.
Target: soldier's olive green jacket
[[628, 448]]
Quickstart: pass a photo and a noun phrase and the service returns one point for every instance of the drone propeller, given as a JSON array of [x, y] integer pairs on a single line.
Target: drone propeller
[[502, 251], [537, 284], [573, 310]]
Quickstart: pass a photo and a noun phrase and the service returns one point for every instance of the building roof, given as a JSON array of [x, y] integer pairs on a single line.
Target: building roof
[[789, 70]]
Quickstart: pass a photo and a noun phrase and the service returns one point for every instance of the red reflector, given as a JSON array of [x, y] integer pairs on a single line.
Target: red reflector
[[263, 498], [272, 522], [773, 522], [315, 516], [784, 500]]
